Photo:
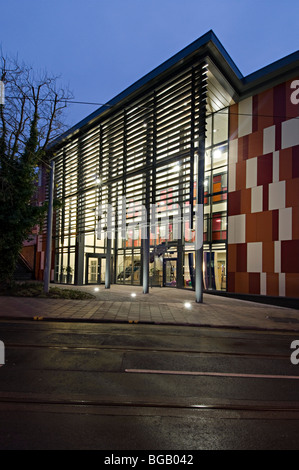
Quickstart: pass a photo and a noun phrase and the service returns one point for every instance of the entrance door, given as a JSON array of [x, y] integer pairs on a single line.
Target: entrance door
[[170, 272], [95, 269]]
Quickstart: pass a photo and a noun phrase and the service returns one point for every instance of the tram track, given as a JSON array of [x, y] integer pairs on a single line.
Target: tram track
[[139, 387], [144, 349], [86, 404], [115, 404]]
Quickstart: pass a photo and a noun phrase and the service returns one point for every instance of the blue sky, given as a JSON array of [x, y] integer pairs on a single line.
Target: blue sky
[[100, 47]]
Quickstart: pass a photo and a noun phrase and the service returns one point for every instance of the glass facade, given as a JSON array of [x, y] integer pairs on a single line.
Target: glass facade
[[215, 212], [137, 167]]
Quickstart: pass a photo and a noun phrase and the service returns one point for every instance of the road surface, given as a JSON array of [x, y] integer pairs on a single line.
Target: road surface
[[133, 387]]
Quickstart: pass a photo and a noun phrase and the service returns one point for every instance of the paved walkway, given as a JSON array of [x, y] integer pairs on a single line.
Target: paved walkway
[[160, 306]]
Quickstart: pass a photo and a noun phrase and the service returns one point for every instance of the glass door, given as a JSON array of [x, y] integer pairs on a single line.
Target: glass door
[[102, 260], [170, 272], [95, 269]]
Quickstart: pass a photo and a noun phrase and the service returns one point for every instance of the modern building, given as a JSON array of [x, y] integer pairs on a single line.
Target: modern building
[[192, 133]]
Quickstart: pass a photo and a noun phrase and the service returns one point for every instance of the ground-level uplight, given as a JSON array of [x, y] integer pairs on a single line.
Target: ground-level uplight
[[96, 289], [133, 294], [187, 305]]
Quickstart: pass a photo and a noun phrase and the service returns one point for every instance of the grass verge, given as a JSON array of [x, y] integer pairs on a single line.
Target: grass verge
[[35, 289]]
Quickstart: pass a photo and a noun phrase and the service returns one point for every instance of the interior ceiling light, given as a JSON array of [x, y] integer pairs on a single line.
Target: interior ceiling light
[[217, 153]]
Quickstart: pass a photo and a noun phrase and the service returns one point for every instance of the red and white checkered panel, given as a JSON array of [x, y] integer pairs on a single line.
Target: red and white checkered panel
[[263, 200]]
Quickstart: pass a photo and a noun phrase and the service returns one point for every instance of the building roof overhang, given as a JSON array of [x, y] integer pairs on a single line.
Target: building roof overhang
[[222, 67]]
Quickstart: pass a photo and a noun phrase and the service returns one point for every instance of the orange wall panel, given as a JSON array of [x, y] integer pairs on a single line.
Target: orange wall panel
[[251, 228], [268, 257], [232, 258], [272, 284], [265, 109], [246, 201], [242, 283], [255, 147], [241, 175], [285, 164], [264, 226], [292, 285], [233, 122], [292, 192]]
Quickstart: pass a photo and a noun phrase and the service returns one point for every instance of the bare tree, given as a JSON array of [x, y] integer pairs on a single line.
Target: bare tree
[[29, 94], [31, 117]]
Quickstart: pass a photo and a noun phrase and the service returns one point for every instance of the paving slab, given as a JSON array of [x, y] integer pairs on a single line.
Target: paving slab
[[160, 306]]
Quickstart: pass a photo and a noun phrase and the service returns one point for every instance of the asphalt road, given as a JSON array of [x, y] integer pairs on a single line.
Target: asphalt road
[[133, 387]]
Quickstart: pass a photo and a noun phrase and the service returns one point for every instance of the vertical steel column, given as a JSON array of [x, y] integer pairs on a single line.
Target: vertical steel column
[[200, 184], [47, 273], [109, 223], [123, 220], [80, 229], [60, 238], [146, 236], [146, 215], [180, 245], [108, 255], [192, 143], [145, 259]]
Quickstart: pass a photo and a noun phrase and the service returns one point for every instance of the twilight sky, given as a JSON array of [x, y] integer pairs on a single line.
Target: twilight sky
[[100, 47]]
